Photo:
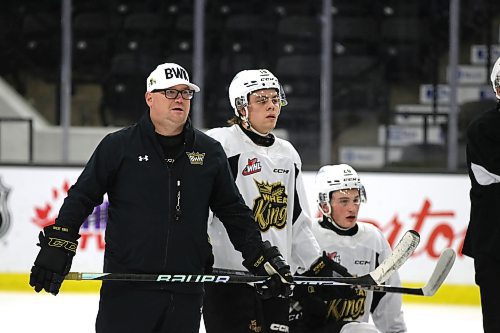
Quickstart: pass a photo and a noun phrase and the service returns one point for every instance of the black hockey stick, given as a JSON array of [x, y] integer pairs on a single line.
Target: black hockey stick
[[443, 267], [439, 274], [400, 254]]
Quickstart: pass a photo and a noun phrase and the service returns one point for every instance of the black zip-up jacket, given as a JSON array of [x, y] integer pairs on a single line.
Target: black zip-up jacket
[[158, 211], [483, 161]]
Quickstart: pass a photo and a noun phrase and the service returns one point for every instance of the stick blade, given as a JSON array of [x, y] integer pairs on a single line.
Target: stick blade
[[443, 267], [401, 252]]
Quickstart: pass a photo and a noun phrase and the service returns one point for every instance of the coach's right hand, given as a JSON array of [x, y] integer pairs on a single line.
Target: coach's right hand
[[270, 262], [57, 248]]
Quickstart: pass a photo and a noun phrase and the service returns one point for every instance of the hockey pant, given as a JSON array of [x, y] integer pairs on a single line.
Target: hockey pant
[[237, 308]]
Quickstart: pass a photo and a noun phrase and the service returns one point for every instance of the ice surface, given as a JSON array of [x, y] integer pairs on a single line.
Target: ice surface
[[30, 312]]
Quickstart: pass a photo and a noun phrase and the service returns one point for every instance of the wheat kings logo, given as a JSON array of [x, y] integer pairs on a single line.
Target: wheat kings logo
[[4, 209], [347, 309], [270, 209], [196, 158]]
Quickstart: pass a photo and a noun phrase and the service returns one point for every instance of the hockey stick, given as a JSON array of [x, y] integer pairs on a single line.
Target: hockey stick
[[403, 250], [443, 267], [400, 254]]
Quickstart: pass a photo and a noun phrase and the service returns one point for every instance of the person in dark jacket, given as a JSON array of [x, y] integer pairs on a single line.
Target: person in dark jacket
[[162, 176], [483, 233]]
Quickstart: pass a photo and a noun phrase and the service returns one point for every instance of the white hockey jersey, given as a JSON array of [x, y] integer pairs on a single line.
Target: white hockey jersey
[[361, 253], [270, 181]]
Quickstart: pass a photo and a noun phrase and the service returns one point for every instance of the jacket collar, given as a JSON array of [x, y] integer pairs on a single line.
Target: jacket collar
[[146, 124]]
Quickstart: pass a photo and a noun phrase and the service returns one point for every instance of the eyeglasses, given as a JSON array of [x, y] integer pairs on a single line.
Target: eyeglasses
[[174, 93], [262, 100], [344, 202]]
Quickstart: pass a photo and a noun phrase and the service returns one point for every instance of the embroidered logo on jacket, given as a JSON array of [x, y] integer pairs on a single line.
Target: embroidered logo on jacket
[[270, 209], [143, 158], [253, 166], [196, 158]]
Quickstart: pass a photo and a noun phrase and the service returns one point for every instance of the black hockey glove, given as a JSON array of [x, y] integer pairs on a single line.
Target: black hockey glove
[[324, 266], [270, 262], [57, 248]]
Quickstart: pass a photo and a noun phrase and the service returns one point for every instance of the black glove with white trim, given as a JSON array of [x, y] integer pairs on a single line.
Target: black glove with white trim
[[270, 262], [326, 267], [57, 248]]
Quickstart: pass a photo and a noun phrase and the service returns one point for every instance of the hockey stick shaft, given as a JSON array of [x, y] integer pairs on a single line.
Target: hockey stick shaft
[[400, 254], [202, 278]]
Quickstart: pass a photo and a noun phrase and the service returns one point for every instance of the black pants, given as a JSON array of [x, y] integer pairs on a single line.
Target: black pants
[[126, 309], [231, 308], [487, 273]]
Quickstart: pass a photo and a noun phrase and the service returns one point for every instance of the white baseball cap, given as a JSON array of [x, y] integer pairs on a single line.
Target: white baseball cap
[[495, 73], [168, 75]]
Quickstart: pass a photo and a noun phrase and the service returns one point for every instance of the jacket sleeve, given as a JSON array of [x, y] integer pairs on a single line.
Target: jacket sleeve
[[305, 248], [387, 314], [91, 185], [227, 203]]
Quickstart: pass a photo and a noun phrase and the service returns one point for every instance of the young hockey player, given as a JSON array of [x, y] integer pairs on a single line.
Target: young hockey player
[[267, 171], [358, 247]]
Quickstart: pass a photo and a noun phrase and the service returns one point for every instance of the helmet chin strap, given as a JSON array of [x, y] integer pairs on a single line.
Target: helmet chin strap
[[336, 225], [248, 125]]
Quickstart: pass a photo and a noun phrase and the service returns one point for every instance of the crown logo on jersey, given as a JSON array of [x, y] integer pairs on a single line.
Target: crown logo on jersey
[[196, 158], [270, 208], [253, 166], [272, 190]]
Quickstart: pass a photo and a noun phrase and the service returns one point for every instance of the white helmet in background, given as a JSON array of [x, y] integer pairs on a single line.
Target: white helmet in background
[[248, 81], [331, 178], [495, 77]]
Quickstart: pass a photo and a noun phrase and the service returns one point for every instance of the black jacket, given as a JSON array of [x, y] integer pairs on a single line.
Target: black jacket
[[147, 231], [483, 153]]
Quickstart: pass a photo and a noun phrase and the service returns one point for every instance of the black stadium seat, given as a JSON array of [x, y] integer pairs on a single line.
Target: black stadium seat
[[93, 33], [123, 90]]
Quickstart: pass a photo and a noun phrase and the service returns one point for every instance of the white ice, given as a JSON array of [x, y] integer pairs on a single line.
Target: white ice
[[30, 312]]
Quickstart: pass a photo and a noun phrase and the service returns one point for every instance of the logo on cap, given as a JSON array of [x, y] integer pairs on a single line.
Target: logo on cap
[[176, 72]]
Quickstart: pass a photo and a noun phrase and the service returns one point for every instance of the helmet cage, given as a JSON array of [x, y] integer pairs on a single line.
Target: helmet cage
[[248, 81]]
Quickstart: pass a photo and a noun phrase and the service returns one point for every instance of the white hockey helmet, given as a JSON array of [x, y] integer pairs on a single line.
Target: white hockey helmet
[[331, 178], [248, 81], [495, 77]]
